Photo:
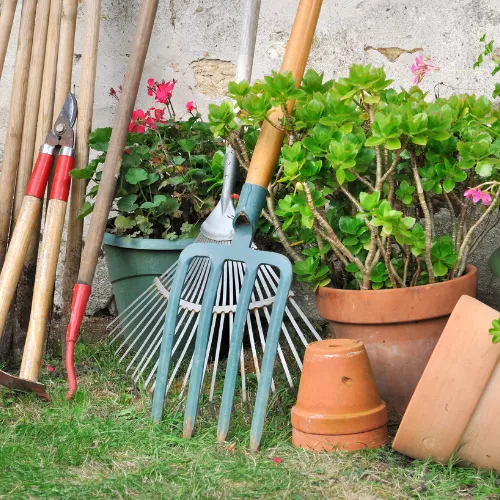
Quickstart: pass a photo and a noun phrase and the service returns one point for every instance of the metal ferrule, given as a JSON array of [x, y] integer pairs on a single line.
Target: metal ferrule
[[252, 198], [67, 151], [47, 149]]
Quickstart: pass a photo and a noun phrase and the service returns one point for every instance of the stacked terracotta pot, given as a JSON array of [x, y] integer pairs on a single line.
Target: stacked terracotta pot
[[338, 405]]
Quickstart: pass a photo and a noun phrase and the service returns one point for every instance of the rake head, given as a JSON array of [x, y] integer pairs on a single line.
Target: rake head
[[239, 250]]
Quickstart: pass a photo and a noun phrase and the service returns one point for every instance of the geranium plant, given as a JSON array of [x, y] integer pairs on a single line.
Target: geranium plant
[[169, 177], [363, 171]]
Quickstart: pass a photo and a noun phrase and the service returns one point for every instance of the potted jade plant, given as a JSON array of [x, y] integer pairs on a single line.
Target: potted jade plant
[[379, 198], [167, 186]]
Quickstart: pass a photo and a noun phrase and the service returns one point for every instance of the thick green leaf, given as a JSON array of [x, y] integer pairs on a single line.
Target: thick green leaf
[[136, 175]]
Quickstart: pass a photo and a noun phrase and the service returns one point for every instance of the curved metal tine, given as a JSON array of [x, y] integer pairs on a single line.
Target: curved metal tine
[[218, 302], [201, 278], [119, 331], [228, 390], [145, 317], [128, 336], [201, 345], [170, 271], [280, 351], [236, 266], [262, 340], [269, 271], [168, 335], [155, 331], [250, 334], [225, 278], [283, 328], [273, 285], [305, 319], [183, 353]]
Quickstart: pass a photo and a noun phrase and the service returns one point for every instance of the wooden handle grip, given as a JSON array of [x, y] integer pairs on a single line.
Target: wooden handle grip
[[19, 243], [270, 139], [44, 287]]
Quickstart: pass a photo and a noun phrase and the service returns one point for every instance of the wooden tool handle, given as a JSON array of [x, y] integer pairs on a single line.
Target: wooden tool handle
[[44, 287], [12, 146], [19, 242], [6, 20], [270, 140], [106, 192]]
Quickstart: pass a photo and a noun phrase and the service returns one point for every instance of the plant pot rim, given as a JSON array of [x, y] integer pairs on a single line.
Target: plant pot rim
[[398, 305], [145, 243]]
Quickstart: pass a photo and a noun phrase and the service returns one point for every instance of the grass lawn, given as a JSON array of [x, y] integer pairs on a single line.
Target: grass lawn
[[103, 445]]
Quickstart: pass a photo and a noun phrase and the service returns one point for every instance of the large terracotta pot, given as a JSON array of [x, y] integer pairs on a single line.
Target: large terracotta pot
[[399, 328], [338, 405], [456, 406]]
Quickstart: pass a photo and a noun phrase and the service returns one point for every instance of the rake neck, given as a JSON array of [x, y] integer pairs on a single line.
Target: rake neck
[[252, 198]]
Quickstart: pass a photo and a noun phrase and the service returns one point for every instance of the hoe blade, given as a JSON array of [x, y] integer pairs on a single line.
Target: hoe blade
[[20, 384]]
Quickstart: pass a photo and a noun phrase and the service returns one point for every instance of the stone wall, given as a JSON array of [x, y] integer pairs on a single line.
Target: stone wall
[[196, 42]]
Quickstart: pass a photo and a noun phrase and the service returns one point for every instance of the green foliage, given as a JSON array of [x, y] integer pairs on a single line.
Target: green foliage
[[495, 331], [169, 178], [363, 170]]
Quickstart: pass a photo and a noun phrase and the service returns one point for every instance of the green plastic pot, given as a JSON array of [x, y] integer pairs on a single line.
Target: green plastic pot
[[133, 263]]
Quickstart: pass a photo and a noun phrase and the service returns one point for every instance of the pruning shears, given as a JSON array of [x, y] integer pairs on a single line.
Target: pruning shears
[[61, 141]]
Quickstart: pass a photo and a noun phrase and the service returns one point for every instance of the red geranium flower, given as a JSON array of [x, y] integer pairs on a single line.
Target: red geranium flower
[[137, 124], [164, 91], [190, 106]]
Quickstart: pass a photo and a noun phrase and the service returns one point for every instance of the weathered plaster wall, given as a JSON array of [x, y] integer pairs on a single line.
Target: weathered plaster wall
[[196, 42]]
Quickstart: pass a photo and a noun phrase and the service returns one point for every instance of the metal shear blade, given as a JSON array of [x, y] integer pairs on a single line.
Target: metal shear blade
[[62, 133]]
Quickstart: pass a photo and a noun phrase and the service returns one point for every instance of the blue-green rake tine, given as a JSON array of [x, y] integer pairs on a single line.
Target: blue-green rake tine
[[234, 351], [169, 333], [273, 333], [200, 348]]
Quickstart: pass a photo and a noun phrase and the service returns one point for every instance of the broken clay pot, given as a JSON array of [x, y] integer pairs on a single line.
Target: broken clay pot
[[399, 327], [338, 406], [456, 405]]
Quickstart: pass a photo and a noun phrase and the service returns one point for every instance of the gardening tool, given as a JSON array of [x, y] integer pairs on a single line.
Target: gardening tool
[[74, 235], [6, 21], [140, 328], [15, 123], [61, 136], [45, 114], [250, 204], [106, 192]]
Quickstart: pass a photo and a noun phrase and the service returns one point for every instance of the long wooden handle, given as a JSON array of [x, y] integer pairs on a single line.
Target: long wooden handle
[[106, 192], [6, 20], [44, 287], [13, 265], [83, 128], [66, 52], [270, 139], [32, 104], [12, 145]]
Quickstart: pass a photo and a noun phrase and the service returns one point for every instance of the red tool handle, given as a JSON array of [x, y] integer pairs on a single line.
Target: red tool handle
[[81, 294], [62, 179], [40, 175]]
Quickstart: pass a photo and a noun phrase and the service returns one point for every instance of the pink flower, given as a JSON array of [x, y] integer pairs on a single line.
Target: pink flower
[[137, 124], [478, 195], [190, 106], [151, 86], [277, 460], [50, 368], [234, 196], [421, 67], [164, 91]]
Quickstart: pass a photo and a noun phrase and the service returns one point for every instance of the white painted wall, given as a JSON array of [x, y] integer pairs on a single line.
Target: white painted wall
[[187, 33]]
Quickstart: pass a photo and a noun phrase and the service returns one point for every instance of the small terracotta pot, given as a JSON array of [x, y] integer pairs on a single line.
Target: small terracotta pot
[[338, 405], [456, 406], [399, 328]]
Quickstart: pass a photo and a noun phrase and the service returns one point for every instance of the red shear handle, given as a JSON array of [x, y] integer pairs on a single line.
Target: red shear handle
[[81, 294], [40, 176], [62, 179]]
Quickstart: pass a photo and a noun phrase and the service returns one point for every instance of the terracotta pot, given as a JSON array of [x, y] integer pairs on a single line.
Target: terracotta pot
[[399, 328], [338, 405], [456, 406]]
